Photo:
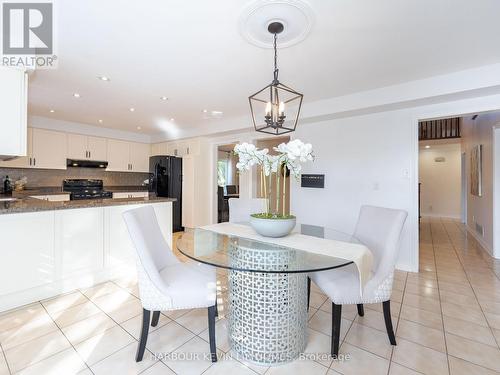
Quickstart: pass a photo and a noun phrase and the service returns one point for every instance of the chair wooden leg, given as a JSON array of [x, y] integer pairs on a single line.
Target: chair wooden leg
[[336, 316], [308, 291], [388, 321], [144, 335], [361, 309], [156, 318], [211, 332]]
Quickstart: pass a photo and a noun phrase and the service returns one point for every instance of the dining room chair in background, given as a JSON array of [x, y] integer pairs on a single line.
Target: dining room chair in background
[[165, 283], [240, 209], [380, 230]]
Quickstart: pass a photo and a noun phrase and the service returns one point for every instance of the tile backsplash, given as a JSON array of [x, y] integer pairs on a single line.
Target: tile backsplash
[[53, 177]]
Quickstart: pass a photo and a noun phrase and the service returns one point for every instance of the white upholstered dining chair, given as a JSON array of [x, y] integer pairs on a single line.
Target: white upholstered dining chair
[[165, 283], [380, 230], [240, 209]]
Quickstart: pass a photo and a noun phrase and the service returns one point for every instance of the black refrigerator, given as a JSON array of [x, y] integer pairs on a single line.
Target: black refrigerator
[[165, 180]]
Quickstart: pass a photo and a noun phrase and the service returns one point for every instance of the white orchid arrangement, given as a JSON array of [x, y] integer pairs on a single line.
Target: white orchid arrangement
[[290, 155]]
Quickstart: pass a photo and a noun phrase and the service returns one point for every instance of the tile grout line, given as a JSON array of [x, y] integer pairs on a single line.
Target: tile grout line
[[473, 291], [60, 330], [439, 293], [5, 359], [397, 325]]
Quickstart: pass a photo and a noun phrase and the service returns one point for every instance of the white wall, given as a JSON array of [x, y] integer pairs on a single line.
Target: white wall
[[480, 209], [440, 181], [366, 160], [496, 194]]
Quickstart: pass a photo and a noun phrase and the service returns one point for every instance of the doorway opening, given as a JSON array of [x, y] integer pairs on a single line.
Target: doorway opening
[[228, 180], [457, 174]]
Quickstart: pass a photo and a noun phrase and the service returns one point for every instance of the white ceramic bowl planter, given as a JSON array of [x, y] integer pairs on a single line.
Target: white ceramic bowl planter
[[273, 227]]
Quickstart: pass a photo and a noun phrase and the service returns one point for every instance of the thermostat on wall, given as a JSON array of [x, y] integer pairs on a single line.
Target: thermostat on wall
[[313, 181]]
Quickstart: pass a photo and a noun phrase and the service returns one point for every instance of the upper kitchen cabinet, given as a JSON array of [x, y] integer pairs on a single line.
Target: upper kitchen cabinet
[[48, 149], [118, 155], [159, 149], [139, 157], [83, 147], [22, 161], [13, 112], [126, 156]]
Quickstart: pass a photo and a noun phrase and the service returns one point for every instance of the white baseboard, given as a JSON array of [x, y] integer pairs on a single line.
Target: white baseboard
[[481, 240]]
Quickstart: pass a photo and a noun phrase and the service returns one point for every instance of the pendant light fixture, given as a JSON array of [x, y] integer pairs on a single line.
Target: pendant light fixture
[[276, 108]]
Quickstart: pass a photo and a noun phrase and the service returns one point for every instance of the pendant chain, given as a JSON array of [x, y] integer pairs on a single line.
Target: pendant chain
[[275, 58]]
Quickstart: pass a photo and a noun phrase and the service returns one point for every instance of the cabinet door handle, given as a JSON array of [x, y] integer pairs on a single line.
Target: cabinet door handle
[[34, 161], [30, 161], [89, 154]]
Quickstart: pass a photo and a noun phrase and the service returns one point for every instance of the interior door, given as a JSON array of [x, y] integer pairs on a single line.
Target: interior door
[[97, 148]]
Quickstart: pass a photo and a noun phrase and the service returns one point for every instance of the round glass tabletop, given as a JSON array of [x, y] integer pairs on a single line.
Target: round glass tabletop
[[243, 254]]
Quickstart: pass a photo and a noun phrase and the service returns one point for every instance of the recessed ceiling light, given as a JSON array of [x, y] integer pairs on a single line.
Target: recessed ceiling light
[[76, 95], [205, 111], [104, 78], [52, 110], [139, 128], [172, 119], [132, 109], [100, 121], [427, 146], [163, 98]]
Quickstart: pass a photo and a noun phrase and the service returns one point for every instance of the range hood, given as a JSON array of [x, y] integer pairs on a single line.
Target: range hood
[[86, 163]]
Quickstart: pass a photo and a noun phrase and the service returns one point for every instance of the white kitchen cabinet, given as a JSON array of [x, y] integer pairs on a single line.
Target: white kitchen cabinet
[[28, 257], [22, 161], [82, 147], [130, 194], [139, 157], [77, 146], [159, 149], [13, 111], [79, 241], [195, 169], [128, 156], [173, 149], [118, 155], [52, 197], [49, 149], [97, 148]]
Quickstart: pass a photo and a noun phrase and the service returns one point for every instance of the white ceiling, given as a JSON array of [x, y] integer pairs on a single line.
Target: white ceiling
[[192, 52]]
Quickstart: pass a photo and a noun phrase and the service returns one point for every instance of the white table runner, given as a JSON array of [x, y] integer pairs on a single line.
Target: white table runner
[[357, 253]]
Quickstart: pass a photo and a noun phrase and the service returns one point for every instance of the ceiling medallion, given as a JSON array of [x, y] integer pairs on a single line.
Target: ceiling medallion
[[276, 101], [296, 16]]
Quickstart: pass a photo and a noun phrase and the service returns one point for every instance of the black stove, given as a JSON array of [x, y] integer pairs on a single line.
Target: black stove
[[85, 189]]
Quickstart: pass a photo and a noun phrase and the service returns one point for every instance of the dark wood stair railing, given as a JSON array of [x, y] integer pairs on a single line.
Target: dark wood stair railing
[[439, 129]]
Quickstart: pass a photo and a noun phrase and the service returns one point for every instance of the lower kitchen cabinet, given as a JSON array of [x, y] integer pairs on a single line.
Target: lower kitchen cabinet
[[28, 252], [52, 252], [79, 241]]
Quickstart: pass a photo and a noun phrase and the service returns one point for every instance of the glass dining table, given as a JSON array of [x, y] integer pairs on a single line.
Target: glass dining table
[[267, 288]]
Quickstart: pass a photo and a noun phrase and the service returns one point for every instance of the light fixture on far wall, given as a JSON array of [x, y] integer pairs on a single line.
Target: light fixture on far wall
[[276, 102], [427, 146], [76, 95], [52, 110], [103, 78]]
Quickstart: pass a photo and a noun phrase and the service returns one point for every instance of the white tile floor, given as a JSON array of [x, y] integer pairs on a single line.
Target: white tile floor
[[447, 320]]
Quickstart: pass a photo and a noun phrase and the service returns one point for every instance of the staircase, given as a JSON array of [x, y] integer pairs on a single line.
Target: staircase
[[439, 129]]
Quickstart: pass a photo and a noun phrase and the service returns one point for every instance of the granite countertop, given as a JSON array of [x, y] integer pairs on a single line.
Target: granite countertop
[[54, 190], [27, 204]]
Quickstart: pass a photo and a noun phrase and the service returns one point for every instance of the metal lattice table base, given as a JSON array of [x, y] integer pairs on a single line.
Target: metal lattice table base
[[267, 311]]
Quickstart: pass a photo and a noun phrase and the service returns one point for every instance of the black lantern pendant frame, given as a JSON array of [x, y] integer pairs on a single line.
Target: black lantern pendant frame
[[274, 121]]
